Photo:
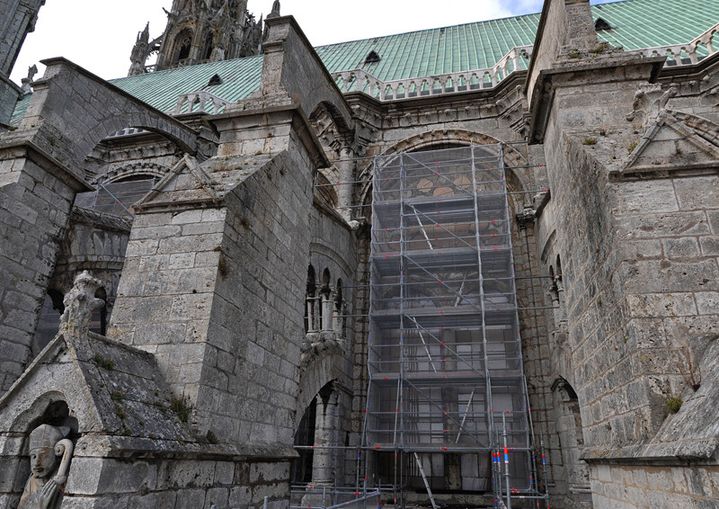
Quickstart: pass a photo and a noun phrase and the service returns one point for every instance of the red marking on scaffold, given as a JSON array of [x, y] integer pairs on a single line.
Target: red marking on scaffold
[[386, 378], [365, 410], [356, 493], [445, 449], [378, 446]]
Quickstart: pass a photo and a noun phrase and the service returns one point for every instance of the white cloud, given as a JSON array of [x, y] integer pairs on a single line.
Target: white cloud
[[98, 34]]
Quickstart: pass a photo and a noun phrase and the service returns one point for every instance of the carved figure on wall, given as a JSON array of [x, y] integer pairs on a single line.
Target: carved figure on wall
[[80, 302], [650, 103], [50, 455], [140, 52]]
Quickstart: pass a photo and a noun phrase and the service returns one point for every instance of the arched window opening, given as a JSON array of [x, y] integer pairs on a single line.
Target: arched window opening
[[327, 298], [57, 414], [338, 296], [311, 304], [183, 46], [209, 46], [317, 440], [98, 324], [304, 439], [569, 427], [326, 278], [560, 275], [49, 323], [340, 307], [553, 292]]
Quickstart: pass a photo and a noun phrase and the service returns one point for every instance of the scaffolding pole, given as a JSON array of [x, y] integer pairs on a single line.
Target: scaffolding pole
[[444, 349]]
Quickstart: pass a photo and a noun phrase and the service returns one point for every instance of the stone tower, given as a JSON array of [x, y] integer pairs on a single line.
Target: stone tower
[[17, 19], [202, 30]]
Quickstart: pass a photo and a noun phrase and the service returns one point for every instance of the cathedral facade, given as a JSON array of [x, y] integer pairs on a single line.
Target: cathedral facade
[[470, 266]]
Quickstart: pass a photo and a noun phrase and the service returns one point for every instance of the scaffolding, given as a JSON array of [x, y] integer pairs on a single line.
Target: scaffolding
[[447, 399]]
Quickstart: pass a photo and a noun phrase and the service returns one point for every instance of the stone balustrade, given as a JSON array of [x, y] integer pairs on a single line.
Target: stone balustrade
[[690, 53], [199, 102], [360, 81], [322, 315], [515, 60]]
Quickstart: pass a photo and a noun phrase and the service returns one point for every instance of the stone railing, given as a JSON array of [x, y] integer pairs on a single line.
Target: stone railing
[[323, 315], [690, 53], [516, 60], [199, 102], [360, 81]]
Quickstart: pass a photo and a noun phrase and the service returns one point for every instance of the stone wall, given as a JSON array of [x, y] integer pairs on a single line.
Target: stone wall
[[34, 209], [649, 487], [176, 484]]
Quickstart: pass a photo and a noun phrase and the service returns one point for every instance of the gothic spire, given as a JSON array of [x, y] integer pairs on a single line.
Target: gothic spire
[[275, 10]]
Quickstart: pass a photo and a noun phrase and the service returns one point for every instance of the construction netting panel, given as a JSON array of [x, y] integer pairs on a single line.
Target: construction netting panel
[[445, 361]]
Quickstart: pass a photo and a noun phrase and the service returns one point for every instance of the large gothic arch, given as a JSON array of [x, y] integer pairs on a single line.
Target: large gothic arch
[[68, 131], [513, 157]]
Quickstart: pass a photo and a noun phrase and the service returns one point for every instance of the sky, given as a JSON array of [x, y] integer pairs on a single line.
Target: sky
[[99, 34]]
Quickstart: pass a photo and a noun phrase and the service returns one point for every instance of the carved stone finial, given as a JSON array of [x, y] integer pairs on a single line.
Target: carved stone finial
[[50, 455], [80, 302], [275, 13], [27, 82]]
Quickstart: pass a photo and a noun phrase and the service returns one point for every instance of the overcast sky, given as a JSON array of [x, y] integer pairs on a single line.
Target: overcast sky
[[99, 34]]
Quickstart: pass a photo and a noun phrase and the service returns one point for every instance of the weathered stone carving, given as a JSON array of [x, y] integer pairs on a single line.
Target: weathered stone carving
[[50, 454], [80, 302], [650, 102], [29, 80]]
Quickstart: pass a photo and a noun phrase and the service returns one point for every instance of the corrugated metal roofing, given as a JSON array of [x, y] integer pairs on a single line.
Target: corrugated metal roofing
[[636, 24]]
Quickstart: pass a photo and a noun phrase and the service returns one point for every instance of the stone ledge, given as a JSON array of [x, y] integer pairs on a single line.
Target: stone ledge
[[109, 446], [680, 451], [17, 147]]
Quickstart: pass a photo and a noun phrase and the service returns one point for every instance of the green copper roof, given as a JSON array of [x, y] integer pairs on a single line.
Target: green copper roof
[[636, 24]]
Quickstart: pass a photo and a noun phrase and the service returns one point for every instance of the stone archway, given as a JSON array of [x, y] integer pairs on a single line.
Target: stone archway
[[70, 112], [513, 157]]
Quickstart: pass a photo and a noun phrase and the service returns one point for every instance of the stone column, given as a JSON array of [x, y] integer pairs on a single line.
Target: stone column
[[328, 301], [323, 464], [346, 166]]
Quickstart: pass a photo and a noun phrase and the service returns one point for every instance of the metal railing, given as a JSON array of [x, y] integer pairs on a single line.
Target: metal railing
[[311, 496]]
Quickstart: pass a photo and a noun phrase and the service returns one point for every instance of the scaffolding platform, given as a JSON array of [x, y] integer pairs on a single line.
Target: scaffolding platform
[[446, 378]]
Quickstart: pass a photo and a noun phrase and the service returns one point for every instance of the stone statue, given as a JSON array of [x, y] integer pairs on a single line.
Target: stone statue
[[275, 13], [50, 454], [140, 52], [80, 302], [650, 103], [27, 82]]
